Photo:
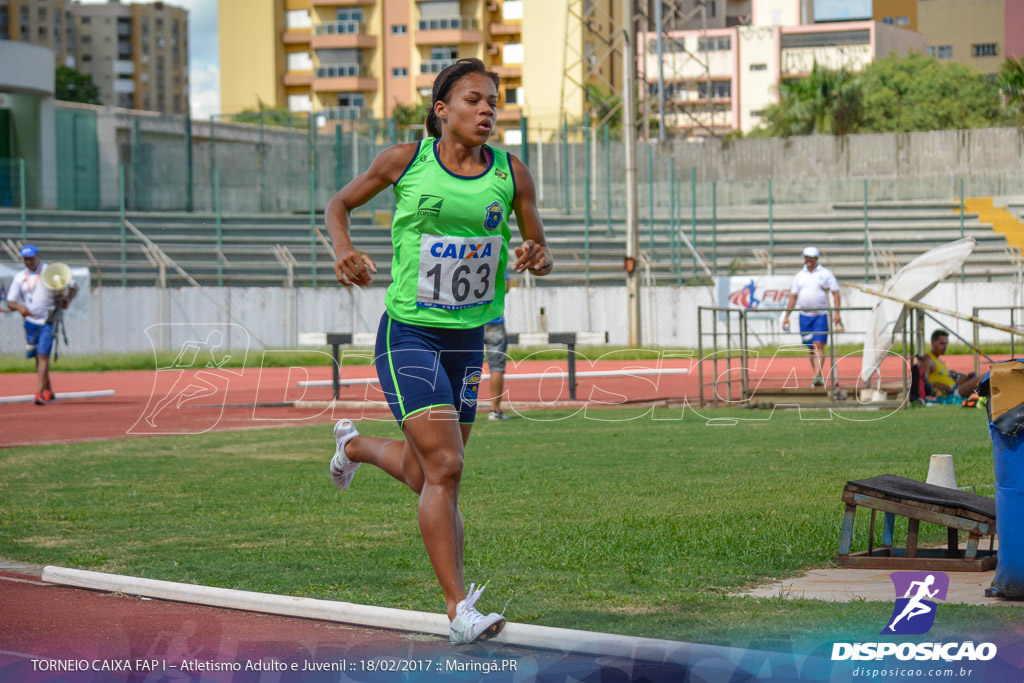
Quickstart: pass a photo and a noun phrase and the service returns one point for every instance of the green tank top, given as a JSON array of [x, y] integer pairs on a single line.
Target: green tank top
[[450, 236]]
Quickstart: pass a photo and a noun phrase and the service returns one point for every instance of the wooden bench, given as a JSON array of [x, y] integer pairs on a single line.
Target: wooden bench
[[918, 502]]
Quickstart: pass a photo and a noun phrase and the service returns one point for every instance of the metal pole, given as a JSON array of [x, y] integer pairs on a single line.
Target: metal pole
[[219, 228], [122, 212], [693, 215], [673, 226], [22, 198], [961, 222], [714, 227], [565, 163], [263, 167], [586, 209], [867, 248], [213, 148], [629, 137], [661, 71], [608, 176], [771, 230], [339, 143], [650, 196], [136, 164], [524, 141], [190, 200]]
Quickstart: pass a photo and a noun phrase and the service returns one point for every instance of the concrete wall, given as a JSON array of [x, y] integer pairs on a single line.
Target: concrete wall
[[27, 73], [141, 319]]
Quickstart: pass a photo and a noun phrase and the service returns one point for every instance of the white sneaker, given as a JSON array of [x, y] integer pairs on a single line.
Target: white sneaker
[[497, 415], [343, 469], [469, 625]]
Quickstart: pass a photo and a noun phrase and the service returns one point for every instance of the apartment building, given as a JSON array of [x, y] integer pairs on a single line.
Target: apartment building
[[136, 54], [721, 80], [354, 59], [46, 23]]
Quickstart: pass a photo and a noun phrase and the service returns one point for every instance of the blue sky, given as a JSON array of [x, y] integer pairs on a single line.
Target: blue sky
[[204, 60]]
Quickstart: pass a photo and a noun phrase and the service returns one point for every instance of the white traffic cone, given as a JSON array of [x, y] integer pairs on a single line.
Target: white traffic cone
[[940, 471]]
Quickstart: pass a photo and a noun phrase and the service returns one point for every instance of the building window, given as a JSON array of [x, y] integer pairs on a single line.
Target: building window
[[985, 50], [903, 21], [713, 43], [86, 20], [352, 100], [942, 51], [349, 14], [888, 20], [511, 95], [299, 61], [758, 67], [399, 29], [297, 18], [720, 90], [400, 72], [512, 53], [444, 52], [710, 8], [512, 10], [756, 113]]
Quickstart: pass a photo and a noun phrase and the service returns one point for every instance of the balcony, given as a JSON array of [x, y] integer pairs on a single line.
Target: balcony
[[342, 78], [343, 113], [510, 113], [342, 3], [448, 31], [298, 78], [429, 68], [296, 36], [508, 70], [342, 34], [506, 29]]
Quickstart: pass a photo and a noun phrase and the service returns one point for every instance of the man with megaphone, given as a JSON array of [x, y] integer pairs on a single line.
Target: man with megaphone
[[40, 293]]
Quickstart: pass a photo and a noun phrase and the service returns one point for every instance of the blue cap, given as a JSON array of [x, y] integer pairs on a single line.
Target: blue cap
[[29, 250]]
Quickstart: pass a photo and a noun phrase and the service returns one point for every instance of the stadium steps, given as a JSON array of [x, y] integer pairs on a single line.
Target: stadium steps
[[899, 232], [1003, 222]]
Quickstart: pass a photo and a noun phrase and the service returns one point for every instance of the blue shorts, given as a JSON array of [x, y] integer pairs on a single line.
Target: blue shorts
[[38, 339], [813, 328], [422, 367]]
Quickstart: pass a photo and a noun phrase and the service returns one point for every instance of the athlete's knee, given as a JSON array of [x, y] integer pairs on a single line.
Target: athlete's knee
[[443, 466]]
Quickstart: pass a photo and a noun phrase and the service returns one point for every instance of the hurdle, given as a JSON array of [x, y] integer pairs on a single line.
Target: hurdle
[[570, 339], [28, 398]]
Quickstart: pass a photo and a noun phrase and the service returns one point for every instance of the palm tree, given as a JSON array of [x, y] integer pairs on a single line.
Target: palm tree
[[826, 101], [1011, 82]]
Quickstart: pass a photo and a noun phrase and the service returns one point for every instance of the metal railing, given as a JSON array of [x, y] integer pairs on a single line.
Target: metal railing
[[730, 367], [343, 26], [448, 23], [435, 66], [340, 71], [343, 113]]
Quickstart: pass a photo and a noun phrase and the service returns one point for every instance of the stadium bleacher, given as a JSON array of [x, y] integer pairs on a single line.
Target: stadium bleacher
[[736, 240]]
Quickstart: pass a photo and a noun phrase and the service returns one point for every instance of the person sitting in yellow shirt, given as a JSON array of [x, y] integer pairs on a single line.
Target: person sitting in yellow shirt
[[946, 382]]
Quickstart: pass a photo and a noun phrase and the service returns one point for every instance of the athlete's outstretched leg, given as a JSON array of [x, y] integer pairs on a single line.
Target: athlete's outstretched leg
[[437, 439]]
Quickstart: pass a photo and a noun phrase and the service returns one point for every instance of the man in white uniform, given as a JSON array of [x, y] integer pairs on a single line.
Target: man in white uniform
[[37, 304], [809, 293]]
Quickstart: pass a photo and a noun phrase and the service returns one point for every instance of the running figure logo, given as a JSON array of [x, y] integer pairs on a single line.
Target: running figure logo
[[914, 612]]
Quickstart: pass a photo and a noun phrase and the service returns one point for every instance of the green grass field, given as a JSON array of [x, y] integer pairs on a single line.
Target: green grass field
[[291, 358], [639, 526]]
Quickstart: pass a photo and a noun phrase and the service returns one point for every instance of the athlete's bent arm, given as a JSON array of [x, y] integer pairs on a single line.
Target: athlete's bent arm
[[352, 266], [534, 255]]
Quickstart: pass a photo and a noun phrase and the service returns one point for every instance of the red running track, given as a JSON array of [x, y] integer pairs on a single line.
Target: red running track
[[149, 403]]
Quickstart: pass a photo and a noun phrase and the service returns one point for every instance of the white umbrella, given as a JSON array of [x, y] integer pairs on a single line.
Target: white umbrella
[[912, 282]]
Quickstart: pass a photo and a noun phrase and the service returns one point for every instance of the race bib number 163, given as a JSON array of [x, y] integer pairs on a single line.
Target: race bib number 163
[[457, 272]]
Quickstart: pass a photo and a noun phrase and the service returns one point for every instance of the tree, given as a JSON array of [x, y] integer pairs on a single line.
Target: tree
[[74, 86], [918, 92], [409, 115], [271, 116], [898, 93], [825, 102], [1011, 82]]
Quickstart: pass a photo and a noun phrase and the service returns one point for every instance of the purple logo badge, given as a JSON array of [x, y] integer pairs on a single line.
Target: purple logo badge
[[914, 611]]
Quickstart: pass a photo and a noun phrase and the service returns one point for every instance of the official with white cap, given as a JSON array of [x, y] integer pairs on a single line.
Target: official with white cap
[[37, 303], [809, 293]]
